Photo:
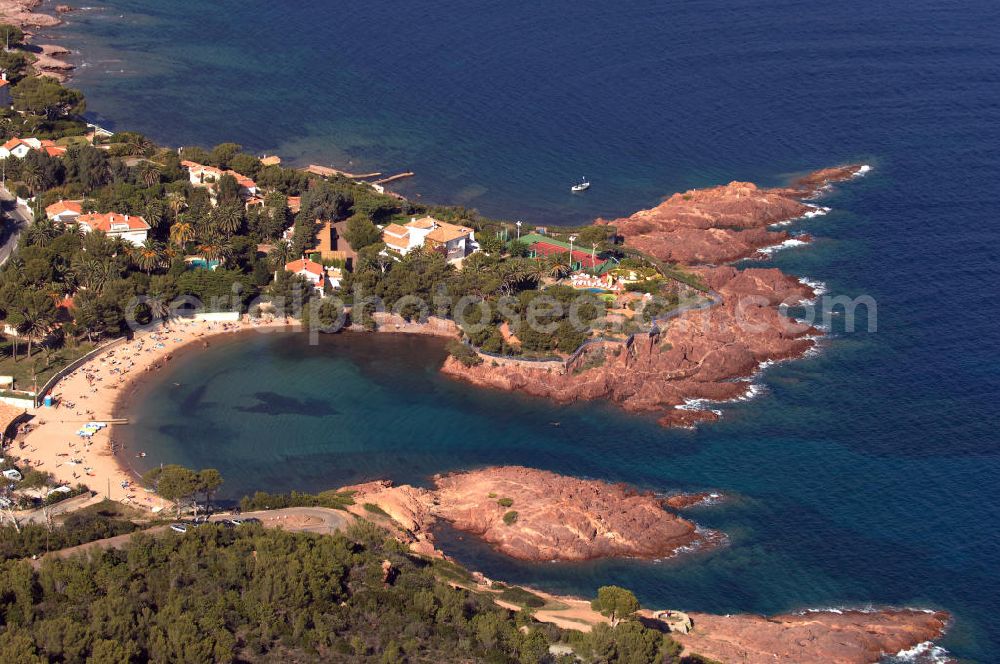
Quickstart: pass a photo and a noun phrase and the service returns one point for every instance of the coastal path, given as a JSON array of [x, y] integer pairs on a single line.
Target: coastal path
[[319, 520], [62, 507]]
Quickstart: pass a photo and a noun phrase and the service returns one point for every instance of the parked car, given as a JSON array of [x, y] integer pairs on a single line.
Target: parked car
[[236, 522], [178, 527]]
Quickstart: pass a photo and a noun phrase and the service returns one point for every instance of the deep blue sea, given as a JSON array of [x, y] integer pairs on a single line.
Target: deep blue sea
[[869, 473]]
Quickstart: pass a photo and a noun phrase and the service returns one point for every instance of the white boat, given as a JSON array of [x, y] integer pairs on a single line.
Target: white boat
[[583, 186]]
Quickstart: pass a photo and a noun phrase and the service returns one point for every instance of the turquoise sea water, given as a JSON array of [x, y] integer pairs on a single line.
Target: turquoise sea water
[[866, 474]]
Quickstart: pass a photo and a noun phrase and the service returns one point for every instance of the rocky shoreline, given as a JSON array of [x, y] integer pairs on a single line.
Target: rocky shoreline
[[813, 637], [22, 14], [704, 354], [571, 519], [537, 516]]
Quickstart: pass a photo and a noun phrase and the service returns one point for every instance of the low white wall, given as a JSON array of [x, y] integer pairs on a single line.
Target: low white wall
[[20, 403]]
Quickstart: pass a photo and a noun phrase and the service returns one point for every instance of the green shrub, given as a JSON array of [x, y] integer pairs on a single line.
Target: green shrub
[[521, 597], [510, 517], [505, 502], [463, 353], [375, 509]]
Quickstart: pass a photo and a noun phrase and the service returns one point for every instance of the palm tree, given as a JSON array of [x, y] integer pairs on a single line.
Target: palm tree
[[280, 255], [137, 145], [536, 270], [149, 173], [559, 265], [176, 203], [95, 273], [511, 274], [228, 218], [158, 307], [33, 177], [36, 320], [40, 233], [154, 212], [214, 248], [181, 233], [149, 256]]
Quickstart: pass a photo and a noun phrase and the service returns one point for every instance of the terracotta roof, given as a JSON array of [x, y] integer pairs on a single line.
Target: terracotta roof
[[64, 206], [305, 264], [395, 242], [448, 232], [395, 229], [113, 223], [295, 204], [424, 222], [195, 167], [242, 180], [55, 150], [13, 143], [3, 82]]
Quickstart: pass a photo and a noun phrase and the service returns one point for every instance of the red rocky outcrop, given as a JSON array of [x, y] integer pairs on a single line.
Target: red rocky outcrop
[[560, 518], [813, 637]]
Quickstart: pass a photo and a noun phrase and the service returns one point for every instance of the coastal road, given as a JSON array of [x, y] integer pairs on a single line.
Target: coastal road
[[18, 219], [62, 507], [320, 520]]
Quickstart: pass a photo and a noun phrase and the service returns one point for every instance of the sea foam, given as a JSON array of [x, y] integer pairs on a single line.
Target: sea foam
[[922, 653], [767, 252]]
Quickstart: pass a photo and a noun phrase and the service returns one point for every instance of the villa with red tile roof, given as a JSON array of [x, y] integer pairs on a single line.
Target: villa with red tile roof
[[64, 212], [15, 147], [206, 176], [311, 270], [130, 228], [20, 147], [455, 242]]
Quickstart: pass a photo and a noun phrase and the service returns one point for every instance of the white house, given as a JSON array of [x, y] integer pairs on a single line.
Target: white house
[[65, 212], [15, 147], [207, 176], [20, 147], [311, 270], [455, 242], [128, 227]]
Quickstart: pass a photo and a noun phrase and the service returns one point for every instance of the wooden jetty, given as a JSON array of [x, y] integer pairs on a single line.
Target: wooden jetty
[[392, 178], [326, 172]]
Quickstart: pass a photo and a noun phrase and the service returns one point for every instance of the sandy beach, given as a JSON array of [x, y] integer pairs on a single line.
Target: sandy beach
[[90, 394]]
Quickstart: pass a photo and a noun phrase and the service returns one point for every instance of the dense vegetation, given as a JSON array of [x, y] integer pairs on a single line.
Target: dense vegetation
[[98, 522], [224, 595], [262, 500], [114, 284]]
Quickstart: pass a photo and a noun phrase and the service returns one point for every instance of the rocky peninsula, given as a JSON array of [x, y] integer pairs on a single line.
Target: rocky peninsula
[[572, 519], [725, 223], [704, 353], [537, 515]]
